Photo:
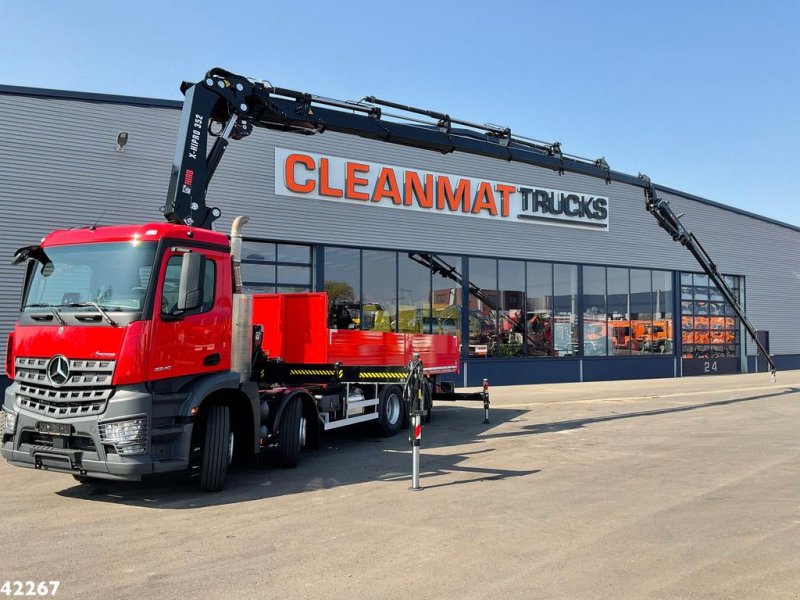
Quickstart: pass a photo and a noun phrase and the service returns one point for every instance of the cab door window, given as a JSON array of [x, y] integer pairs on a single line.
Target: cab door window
[[172, 277]]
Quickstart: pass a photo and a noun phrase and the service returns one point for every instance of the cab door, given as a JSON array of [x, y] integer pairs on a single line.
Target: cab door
[[197, 341]]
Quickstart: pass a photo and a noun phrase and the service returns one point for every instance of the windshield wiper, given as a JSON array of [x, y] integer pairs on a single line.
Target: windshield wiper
[[99, 308], [51, 307]]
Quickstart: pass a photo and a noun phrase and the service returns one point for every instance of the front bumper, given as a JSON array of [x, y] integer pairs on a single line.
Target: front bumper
[[84, 453]]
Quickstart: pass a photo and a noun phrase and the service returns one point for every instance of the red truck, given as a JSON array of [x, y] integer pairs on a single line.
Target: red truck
[[136, 352]]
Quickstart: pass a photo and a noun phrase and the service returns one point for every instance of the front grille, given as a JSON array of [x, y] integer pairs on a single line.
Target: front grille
[[85, 392], [42, 440]]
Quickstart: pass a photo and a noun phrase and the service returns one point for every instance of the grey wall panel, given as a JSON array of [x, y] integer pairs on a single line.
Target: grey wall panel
[[59, 168]]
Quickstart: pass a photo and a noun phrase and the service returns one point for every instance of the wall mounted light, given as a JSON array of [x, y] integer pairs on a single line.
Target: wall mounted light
[[122, 140]]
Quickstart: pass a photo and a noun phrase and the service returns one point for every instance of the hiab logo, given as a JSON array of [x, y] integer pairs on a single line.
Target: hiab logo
[[338, 179]]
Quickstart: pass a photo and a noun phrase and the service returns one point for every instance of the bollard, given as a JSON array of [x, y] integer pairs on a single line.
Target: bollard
[[413, 392], [416, 439], [486, 402]]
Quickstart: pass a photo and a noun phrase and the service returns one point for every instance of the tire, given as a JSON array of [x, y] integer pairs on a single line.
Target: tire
[[82, 479], [215, 451], [390, 410], [291, 434]]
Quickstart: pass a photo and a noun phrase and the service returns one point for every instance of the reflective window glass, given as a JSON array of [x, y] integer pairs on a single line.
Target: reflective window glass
[[565, 310], [343, 287], [595, 330], [446, 295], [379, 295], [414, 294], [539, 310], [618, 299], [511, 318], [483, 304]]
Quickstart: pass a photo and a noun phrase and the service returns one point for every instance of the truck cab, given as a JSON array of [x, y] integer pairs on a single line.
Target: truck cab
[[118, 329]]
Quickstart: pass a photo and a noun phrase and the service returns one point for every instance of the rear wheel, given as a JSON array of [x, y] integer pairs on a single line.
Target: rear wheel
[[217, 448], [291, 434], [390, 410]]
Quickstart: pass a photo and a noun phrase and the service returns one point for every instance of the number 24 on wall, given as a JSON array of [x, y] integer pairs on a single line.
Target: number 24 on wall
[[710, 366]]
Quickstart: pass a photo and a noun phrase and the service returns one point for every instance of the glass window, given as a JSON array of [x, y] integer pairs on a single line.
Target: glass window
[[343, 286], [379, 296], [114, 275], [565, 310], [414, 294], [258, 251], [708, 322], [261, 274], [294, 275], [483, 304], [446, 295], [539, 309], [294, 253], [619, 323], [662, 335], [595, 330], [172, 277], [641, 312], [258, 278], [511, 319]]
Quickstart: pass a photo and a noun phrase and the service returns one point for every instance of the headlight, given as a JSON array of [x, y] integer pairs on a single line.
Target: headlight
[[129, 437], [9, 421]]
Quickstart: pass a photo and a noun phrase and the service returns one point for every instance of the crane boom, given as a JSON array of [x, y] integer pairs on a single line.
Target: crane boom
[[227, 106]]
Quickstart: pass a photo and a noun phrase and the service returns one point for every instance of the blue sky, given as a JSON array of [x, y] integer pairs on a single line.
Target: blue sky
[[701, 96]]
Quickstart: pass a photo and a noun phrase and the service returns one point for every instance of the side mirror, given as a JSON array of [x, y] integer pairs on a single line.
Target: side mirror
[[35, 252], [190, 287]]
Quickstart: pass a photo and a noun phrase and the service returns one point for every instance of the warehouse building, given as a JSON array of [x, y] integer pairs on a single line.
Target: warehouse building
[[544, 277]]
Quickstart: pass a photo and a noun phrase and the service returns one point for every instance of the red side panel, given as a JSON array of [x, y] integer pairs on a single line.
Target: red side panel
[[367, 348], [295, 326], [267, 313], [439, 353], [295, 330]]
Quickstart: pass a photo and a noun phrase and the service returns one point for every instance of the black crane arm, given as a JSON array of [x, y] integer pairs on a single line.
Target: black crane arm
[[224, 105], [671, 223], [227, 106]]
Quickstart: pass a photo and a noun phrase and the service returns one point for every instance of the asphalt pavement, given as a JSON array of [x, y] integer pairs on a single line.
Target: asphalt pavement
[[640, 489]]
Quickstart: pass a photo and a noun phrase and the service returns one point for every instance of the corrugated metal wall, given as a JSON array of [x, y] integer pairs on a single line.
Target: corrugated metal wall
[[59, 168]]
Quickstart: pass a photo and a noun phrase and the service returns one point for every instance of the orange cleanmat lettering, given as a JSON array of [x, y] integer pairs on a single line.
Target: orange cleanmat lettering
[[288, 173], [454, 201], [484, 199], [352, 181], [386, 187], [324, 178]]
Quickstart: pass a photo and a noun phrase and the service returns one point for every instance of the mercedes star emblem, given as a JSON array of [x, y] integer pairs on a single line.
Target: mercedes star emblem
[[58, 370]]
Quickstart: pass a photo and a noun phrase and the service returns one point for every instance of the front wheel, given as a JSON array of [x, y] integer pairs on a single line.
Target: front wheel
[[216, 450]]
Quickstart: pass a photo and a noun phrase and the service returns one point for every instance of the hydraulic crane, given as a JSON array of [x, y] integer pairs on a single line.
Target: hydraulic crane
[[228, 106]]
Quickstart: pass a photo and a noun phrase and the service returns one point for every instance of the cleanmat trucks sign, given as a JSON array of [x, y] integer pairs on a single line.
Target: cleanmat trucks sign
[[336, 179]]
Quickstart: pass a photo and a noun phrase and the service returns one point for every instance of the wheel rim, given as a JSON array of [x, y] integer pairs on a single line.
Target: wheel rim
[[230, 447], [393, 408], [302, 432]]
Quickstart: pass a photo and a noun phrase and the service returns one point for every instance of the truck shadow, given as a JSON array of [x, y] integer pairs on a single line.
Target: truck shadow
[[347, 456], [557, 426]]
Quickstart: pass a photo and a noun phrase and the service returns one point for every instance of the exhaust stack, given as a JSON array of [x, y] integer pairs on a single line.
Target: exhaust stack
[[242, 326]]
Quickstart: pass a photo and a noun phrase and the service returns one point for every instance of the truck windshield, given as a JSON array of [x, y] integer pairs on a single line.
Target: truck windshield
[[113, 275]]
